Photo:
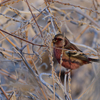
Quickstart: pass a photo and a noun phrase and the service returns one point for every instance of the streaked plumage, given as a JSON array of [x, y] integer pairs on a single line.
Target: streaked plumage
[[70, 59]]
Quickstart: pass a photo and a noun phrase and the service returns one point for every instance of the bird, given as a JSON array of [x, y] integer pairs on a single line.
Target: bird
[[72, 56]]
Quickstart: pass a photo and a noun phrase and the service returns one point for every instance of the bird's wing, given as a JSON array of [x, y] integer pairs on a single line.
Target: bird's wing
[[71, 46], [77, 55]]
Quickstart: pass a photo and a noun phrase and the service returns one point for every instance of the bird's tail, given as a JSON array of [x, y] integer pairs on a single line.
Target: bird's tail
[[94, 60]]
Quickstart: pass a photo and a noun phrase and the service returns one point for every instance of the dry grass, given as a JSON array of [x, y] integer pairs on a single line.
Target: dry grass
[[28, 69]]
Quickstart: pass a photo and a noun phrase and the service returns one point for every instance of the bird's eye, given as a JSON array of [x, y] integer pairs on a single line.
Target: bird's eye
[[55, 40], [58, 39]]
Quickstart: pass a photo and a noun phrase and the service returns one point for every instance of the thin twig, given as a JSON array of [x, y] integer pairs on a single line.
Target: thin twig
[[34, 19], [4, 92]]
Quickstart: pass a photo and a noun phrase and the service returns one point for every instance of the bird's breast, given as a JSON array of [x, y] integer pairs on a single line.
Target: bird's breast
[[57, 53], [67, 62]]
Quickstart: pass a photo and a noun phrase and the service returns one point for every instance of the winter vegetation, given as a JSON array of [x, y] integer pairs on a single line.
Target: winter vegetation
[[28, 68]]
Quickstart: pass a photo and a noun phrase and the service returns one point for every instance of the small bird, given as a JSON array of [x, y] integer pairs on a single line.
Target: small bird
[[72, 57]]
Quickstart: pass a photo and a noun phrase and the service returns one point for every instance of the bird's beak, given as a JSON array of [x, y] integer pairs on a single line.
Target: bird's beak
[[54, 41]]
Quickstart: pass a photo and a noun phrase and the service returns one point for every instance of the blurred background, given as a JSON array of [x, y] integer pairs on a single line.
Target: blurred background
[[27, 60]]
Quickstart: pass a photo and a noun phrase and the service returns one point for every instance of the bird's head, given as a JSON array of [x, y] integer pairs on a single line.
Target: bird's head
[[59, 40]]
